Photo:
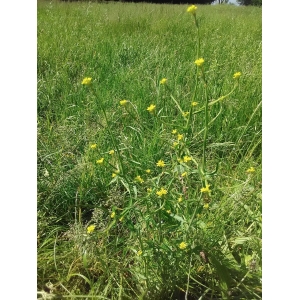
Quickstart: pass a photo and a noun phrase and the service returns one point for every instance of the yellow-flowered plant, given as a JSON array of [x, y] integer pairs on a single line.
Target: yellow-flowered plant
[[187, 158], [160, 163], [148, 171], [192, 9], [161, 192], [111, 152], [139, 253], [185, 114], [179, 137], [174, 131], [91, 228], [182, 245], [139, 179], [237, 75], [100, 161], [205, 189], [194, 103], [163, 81], [93, 146], [113, 214], [123, 102], [250, 170], [184, 174], [179, 199], [199, 62], [151, 108], [206, 206], [86, 81]]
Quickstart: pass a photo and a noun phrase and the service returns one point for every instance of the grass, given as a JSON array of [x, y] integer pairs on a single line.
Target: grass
[[114, 224]]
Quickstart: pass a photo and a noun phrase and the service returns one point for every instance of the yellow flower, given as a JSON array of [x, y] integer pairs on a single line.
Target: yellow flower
[[139, 179], [121, 219], [237, 75], [140, 252], [151, 108], [163, 81], [93, 146], [174, 131], [91, 228], [184, 174], [100, 161], [182, 245], [205, 189], [206, 205], [87, 81], [185, 114], [113, 214], [123, 102], [148, 171], [180, 137], [113, 175], [175, 144], [111, 152], [187, 158], [194, 103], [161, 192], [168, 211], [160, 163], [192, 9], [250, 170], [199, 62], [179, 199]]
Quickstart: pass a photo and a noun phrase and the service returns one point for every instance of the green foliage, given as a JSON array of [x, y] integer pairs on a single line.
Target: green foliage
[[250, 2], [158, 196]]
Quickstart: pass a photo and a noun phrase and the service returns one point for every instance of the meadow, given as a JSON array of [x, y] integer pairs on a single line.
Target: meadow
[[149, 151]]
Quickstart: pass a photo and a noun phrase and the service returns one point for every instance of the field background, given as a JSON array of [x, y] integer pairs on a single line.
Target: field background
[[127, 48]]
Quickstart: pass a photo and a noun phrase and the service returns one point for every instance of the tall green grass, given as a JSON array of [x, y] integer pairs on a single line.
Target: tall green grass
[[134, 251]]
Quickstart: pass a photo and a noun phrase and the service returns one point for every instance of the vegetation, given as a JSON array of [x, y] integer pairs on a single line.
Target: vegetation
[[149, 151]]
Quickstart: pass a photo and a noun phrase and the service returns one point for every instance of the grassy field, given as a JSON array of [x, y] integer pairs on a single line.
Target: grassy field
[[149, 151]]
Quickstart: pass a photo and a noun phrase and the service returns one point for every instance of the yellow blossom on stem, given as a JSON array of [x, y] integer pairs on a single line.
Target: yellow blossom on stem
[[113, 214], [184, 174], [175, 144], [93, 146], [168, 211], [205, 189], [250, 170], [148, 171], [140, 252], [111, 152], [187, 158], [199, 62], [160, 163], [161, 192], [139, 179], [206, 205], [179, 137], [179, 199], [151, 108], [87, 81], [182, 245], [185, 114], [121, 219], [237, 75], [91, 228], [194, 103], [192, 9], [163, 81], [174, 131], [123, 102], [100, 161]]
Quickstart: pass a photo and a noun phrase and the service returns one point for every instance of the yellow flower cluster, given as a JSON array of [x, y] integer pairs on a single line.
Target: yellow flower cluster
[[87, 81], [237, 75], [163, 81], [111, 152], [139, 179], [187, 158], [250, 170], [151, 108], [205, 189], [192, 9], [161, 192], [123, 102], [100, 161], [113, 214], [93, 146], [91, 228], [160, 163], [182, 245], [199, 62]]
